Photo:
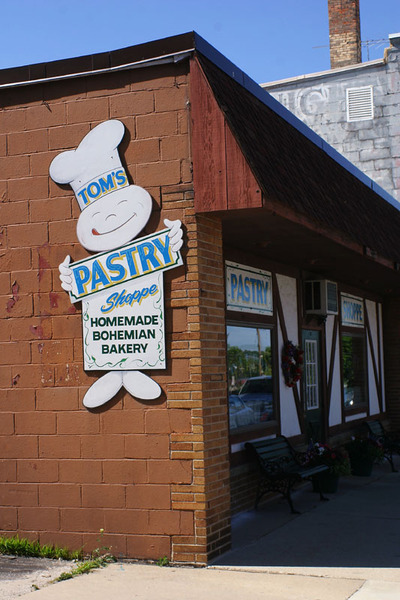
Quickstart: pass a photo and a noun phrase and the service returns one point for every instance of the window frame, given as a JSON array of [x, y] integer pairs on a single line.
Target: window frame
[[355, 332], [268, 427]]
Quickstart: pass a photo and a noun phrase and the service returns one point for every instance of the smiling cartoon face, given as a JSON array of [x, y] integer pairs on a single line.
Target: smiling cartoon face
[[114, 219]]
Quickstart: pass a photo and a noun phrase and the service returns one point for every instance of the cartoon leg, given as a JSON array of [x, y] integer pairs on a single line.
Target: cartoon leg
[[103, 389], [140, 385]]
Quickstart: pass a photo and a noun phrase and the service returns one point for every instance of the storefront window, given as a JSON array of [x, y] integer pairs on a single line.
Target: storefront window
[[354, 371], [250, 381]]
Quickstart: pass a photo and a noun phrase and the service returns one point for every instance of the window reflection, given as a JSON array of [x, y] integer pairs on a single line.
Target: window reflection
[[250, 382], [354, 371]]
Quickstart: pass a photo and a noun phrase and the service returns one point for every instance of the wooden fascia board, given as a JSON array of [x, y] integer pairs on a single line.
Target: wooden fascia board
[[222, 178], [208, 144], [243, 190]]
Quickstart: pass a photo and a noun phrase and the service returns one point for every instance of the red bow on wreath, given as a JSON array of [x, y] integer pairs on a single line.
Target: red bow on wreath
[[292, 363]]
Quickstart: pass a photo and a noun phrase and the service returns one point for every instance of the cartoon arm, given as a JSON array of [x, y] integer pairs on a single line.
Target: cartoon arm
[[175, 234], [66, 274]]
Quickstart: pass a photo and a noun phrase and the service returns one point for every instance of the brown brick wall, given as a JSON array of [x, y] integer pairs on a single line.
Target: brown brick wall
[[344, 32], [244, 481], [154, 475]]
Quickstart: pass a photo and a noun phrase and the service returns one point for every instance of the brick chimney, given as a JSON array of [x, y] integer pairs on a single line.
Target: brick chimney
[[344, 32]]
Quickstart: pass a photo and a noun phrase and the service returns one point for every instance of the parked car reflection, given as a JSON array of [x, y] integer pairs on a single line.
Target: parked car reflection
[[353, 396], [240, 415], [256, 393], [253, 404], [348, 397]]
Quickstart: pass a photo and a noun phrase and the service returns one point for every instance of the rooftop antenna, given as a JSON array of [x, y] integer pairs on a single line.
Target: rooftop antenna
[[367, 44]]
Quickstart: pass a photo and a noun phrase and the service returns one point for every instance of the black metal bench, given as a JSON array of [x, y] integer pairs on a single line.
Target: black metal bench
[[390, 441], [281, 467]]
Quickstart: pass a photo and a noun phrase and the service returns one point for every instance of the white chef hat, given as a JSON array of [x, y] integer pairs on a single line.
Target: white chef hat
[[94, 169]]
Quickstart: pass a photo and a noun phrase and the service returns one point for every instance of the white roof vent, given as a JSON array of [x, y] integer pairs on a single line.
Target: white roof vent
[[360, 103]]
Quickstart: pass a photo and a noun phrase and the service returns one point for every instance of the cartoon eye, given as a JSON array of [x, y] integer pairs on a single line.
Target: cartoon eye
[[95, 214], [110, 215], [122, 202]]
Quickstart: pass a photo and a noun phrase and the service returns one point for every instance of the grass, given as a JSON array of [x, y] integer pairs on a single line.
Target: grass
[[17, 546], [87, 566], [99, 558], [22, 547]]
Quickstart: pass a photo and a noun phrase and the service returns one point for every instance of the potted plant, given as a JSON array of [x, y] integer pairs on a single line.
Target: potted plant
[[336, 459], [363, 452]]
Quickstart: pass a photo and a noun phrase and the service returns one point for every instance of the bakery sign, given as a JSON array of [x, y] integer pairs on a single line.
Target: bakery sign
[[123, 323], [120, 287]]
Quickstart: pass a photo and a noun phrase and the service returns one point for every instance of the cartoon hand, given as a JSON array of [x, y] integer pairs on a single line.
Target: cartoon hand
[[175, 234], [66, 274]]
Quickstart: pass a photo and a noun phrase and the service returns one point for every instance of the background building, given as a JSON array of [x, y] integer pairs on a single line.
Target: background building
[[355, 106]]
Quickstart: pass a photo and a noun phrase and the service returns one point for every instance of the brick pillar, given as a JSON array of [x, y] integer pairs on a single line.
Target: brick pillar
[[208, 495], [344, 32], [212, 370], [391, 348]]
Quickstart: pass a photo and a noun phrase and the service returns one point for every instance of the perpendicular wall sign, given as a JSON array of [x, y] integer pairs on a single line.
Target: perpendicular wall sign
[[121, 288], [352, 310], [248, 289]]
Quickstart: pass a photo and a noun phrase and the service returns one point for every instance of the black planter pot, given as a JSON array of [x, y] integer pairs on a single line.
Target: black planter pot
[[327, 483], [362, 467]]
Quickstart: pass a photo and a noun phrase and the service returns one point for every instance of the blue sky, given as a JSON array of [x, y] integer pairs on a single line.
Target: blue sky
[[268, 39]]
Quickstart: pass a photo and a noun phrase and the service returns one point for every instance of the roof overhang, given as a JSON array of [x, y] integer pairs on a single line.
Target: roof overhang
[[305, 251], [283, 193]]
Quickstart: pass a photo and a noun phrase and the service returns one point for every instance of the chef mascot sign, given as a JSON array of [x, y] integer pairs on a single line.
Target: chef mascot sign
[[121, 287]]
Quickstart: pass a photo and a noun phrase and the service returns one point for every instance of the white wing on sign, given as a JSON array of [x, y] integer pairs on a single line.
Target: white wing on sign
[[102, 390], [140, 385]]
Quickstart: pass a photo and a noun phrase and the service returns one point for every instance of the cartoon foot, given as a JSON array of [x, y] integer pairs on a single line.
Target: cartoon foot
[[103, 390], [140, 385]]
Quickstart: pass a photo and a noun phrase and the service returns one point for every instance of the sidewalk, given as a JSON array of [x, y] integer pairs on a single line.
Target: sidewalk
[[346, 548], [147, 582]]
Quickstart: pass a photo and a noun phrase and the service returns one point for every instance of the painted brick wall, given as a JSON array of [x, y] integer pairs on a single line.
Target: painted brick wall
[[154, 475], [372, 145]]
